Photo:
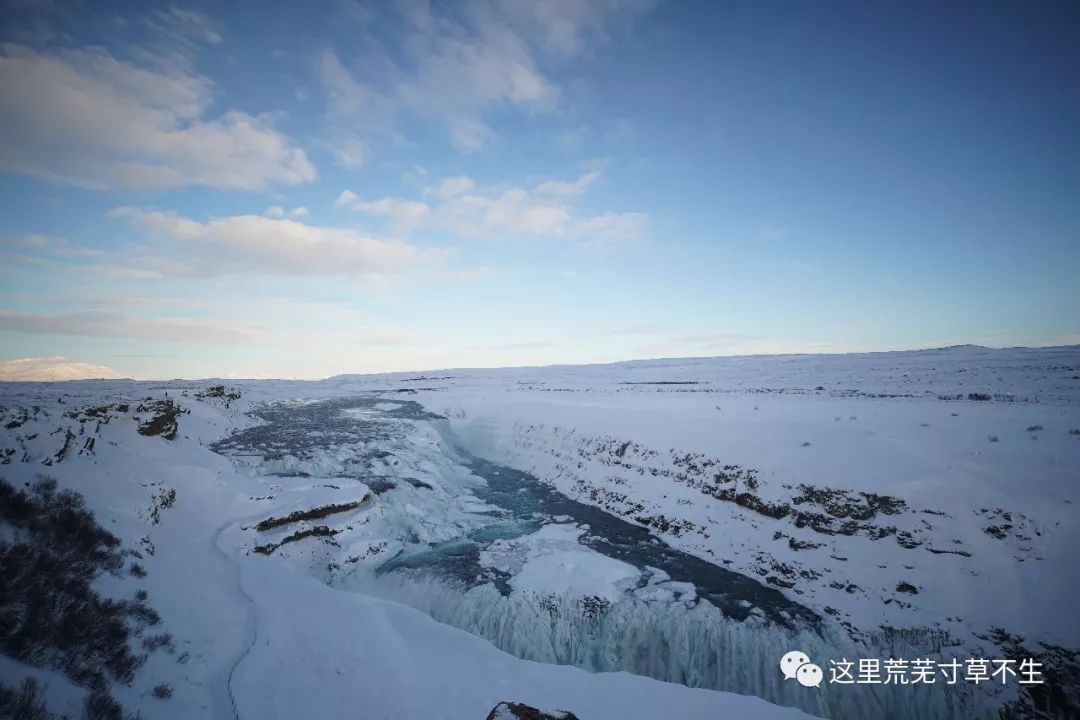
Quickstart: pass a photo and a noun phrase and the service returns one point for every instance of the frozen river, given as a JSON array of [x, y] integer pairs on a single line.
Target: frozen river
[[494, 551]]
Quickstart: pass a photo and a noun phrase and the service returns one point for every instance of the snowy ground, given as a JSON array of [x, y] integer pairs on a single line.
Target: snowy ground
[[687, 520]]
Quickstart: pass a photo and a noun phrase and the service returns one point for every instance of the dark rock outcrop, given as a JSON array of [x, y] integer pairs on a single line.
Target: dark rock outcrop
[[510, 710]]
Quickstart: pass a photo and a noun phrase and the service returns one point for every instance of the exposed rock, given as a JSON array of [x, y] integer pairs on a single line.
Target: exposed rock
[[319, 531], [520, 711], [1059, 694], [164, 418], [219, 392], [311, 514]]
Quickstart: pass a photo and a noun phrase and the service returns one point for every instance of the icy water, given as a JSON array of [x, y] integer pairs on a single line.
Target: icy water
[[682, 620], [297, 430], [525, 498]]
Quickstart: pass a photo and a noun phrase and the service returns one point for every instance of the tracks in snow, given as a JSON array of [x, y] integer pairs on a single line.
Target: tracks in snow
[[251, 629]]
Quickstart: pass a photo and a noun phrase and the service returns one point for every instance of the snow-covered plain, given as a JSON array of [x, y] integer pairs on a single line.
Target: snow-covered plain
[[691, 520]]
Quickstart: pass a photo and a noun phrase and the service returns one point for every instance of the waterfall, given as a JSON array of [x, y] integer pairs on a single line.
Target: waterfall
[[676, 640]]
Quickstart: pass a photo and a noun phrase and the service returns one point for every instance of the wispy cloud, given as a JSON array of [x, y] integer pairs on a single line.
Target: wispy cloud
[[527, 345], [458, 65], [277, 212], [403, 215], [610, 228], [284, 327], [177, 36], [450, 187], [56, 246], [573, 188], [118, 325]]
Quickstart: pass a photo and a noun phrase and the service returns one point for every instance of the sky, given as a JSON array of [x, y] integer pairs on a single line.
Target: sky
[[271, 190]]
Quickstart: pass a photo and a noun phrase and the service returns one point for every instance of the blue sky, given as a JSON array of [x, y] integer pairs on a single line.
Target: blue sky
[[214, 189]]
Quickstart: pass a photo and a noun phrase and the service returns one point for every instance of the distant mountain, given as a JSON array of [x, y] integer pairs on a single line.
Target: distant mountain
[[50, 369]]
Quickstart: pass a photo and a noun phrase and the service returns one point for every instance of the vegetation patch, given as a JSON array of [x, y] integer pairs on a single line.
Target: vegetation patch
[[26, 703], [50, 615], [164, 499]]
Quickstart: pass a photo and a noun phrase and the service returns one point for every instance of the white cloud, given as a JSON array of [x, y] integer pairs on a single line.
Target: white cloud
[[346, 199], [275, 211], [460, 69], [454, 76], [451, 187], [299, 212], [46, 250], [84, 117], [403, 215], [611, 227], [356, 11], [458, 206], [469, 134], [129, 273], [176, 36], [511, 212], [252, 243], [352, 110], [55, 246], [350, 153], [569, 189], [568, 28], [188, 24]]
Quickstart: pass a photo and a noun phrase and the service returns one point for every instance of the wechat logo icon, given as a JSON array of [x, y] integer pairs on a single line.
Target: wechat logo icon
[[796, 664]]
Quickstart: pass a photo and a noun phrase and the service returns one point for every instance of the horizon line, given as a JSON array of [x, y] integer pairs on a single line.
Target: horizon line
[[959, 346]]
